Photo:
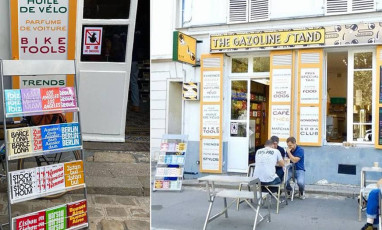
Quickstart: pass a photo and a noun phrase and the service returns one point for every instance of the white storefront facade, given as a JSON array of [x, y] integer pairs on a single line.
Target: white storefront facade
[[312, 72]]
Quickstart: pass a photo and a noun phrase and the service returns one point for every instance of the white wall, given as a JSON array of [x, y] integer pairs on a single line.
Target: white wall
[[296, 8], [204, 12], [162, 24]]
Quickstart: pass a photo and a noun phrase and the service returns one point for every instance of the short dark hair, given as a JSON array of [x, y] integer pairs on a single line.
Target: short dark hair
[[291, 139], [268, 143], [275, 139]]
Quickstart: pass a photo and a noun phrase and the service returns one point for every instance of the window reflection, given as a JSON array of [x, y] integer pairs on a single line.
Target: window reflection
[[239, 100], [363, 60], [113, 47], [106, 9], [239, 65], [261, 64]]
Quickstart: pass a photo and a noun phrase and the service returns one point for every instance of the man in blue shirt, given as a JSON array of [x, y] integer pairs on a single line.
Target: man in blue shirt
[[372, 208], [279, 169], [296, 155]]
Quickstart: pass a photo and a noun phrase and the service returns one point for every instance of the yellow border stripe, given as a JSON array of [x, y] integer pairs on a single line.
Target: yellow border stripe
[[220, 103], [378, 104], [15, 39], [319, 104]]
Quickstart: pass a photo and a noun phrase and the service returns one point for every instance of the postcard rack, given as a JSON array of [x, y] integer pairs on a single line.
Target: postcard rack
[[21, 143]]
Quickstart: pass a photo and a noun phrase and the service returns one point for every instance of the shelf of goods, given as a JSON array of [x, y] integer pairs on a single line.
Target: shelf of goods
[[31, 141], [171, 161]]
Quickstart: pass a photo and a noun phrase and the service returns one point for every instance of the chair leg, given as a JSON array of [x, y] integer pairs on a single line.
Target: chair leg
[[278, 200], [238, 200], [225, 206], [257, 215]]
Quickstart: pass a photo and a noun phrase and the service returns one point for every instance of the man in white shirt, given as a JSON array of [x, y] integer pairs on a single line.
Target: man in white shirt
[[266, 160]]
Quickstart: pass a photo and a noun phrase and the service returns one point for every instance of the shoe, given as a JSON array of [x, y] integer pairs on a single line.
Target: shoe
[[302, 195], [367, 227]]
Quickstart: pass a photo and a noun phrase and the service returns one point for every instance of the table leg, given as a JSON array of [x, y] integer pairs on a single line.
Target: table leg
[[208, 212], [225, 206]]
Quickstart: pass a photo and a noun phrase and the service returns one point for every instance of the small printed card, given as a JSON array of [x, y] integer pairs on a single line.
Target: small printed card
[[74, 173], [68, 97], [77, 213], [164, 147], [51, 137], [55, 179], [19, 141], [24, 183], [70, 135], [181, 147], [36, 139], [35, 221], [13, 101], [31, 99], [56, 218], [50, 98]]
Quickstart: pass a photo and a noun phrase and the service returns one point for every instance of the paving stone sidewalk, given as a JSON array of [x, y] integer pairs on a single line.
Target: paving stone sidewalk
[[106, 212]]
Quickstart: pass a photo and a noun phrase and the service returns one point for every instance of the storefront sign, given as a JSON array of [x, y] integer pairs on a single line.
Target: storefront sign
[[92, 40], [310, 86], [191, 91], [309, 125], [280, 121], [43, 30], [210, 154], [211, 120], [281, 85], [266, 39], [211, 86], [184, 48]]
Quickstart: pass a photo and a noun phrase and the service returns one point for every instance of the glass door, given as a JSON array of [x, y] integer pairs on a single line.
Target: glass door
[[239, 126]]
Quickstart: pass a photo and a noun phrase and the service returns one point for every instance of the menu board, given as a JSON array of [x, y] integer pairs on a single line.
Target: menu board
[[56, 218], [74, 173], [50, 98], [211, 120], [280, 121], [77, 213], [68, 97], [310, 86], [281, 85], [51, 137], [309, 125], [23, 183], [31, 100], [35, 221], [210, 154], [13, 101], [211, 86], [19, 141]]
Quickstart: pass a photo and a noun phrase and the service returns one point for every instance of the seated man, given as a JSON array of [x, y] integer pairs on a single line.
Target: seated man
[[279, 170], [296, 155], [372, 208], [266, 160]]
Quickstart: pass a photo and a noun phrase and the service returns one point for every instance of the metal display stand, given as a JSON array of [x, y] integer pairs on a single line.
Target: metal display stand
[[170, 166], [33, 68]]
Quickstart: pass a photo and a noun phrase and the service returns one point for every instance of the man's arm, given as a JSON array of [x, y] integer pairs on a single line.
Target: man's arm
[[280, 160], [291, 157]]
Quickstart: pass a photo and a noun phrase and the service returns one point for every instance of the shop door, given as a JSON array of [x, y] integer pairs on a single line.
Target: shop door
[[104, 53], [237, 160]]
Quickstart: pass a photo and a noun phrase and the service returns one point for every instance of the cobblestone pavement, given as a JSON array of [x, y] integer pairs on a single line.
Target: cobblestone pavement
[[106, 212]]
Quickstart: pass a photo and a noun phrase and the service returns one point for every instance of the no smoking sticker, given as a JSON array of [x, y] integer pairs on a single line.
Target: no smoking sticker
[[234, 128], [92, 40]]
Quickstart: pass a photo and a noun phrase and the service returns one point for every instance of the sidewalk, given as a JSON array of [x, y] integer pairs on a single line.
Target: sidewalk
[[187, 210]]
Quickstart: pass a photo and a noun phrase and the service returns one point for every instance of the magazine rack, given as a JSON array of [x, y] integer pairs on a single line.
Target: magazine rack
[[11, 68], [170, 166]]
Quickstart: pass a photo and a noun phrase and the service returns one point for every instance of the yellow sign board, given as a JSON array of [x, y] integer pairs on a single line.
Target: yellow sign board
[[184, 48], [266, 39]]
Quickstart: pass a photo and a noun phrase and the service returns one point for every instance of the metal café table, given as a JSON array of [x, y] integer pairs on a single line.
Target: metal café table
[[235, 194]]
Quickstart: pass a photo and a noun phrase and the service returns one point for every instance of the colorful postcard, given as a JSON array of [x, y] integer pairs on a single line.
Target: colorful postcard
[[13, 101], [50, 98]]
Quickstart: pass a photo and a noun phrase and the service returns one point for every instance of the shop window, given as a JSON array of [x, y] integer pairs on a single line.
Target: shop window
[[349, 114], [239, 108], [106, 9], [337, 78], [112, 46], [261, 64], [349, 6], [239, 65], [362, 97]]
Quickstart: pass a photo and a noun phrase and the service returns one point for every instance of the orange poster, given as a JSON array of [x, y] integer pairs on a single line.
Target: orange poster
[[74, 173], [50, 98]]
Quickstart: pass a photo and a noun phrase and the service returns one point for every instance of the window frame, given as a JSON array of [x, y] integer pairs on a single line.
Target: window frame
[[349, 8], [250, 73]]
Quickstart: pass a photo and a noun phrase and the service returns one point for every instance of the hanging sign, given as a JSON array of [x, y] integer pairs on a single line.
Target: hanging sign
[[310, 86], [92, 40], [281, 85], [190, 91], [184, 48], [309, 125]]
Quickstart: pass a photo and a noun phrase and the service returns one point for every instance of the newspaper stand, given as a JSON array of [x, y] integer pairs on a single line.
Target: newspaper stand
[[13, 68], [170, 166]]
